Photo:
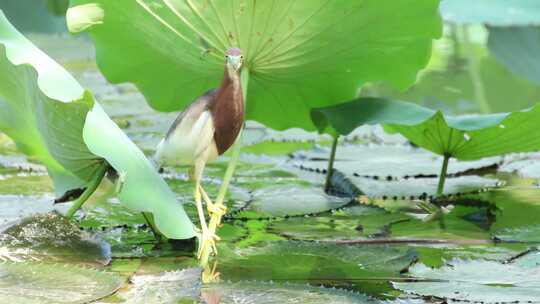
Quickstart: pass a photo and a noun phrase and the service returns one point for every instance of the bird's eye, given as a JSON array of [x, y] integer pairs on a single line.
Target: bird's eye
[[242, 57]]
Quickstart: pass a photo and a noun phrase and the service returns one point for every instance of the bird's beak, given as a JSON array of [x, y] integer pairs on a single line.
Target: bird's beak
[[235, 62]]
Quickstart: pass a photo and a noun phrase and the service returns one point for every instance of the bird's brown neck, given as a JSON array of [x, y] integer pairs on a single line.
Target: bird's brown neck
[[228, 110]]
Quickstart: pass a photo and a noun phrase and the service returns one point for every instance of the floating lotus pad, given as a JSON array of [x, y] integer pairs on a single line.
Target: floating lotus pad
[[184, 286], [477, 280], [293, 200], [321, 262], [40, 283], [396, 161], [51, 237]]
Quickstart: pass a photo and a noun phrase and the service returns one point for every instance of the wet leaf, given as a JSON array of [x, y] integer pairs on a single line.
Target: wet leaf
[[320, 262], [386, 162], [407, 189], [52, 237], [300, 54], [265, 293], [41, 283], [293, 200], [184, 287], [476, 280], [165, 287]]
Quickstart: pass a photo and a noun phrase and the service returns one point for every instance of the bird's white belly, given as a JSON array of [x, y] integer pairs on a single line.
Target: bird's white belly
[[190, 142]]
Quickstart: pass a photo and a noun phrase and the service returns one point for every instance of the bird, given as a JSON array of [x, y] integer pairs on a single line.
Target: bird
[[207, 128]]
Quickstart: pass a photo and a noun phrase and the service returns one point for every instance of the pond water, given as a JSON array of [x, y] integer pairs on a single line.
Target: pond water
[[285, 240]]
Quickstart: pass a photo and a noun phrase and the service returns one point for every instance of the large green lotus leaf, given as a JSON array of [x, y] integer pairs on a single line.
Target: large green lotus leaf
[[37, 283], [143, 189], [300, 54], [468, 137], [492, 12], [518, 48], [45, 108], [477, 281]]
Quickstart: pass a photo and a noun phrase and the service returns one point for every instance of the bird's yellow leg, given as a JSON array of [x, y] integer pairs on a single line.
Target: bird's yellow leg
[[210, 275], [217, 209], [207, 238]]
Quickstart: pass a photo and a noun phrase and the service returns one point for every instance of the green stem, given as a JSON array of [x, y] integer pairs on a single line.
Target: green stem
[[148, 217], [330, 170], [77, 204], [215, 220], [442, 176]]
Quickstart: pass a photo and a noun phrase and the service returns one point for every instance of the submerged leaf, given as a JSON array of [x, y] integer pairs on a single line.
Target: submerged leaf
[[320, 262], [476, 281], [300, 54], [352, 223]]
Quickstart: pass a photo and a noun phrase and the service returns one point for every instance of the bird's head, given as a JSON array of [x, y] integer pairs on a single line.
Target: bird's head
[[234, 59]]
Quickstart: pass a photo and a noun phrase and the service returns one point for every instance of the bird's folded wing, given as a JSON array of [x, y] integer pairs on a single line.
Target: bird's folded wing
[[190, 135]]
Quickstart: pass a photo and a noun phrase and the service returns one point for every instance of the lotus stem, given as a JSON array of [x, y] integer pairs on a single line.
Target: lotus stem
[[330, 171], [442, 176], [92, 186], [215, 219]]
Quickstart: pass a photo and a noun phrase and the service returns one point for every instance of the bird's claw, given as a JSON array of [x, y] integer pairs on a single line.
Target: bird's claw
[[210, 275], [217, 209], [206, 239]]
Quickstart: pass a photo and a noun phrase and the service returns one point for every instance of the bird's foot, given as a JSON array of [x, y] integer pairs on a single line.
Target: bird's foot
[[207, 241], [216, 209], [213, 208], [210, 275]]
